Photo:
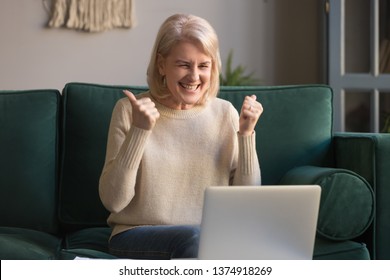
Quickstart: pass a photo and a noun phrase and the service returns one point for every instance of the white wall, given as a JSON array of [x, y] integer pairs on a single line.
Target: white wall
[[33, 56]]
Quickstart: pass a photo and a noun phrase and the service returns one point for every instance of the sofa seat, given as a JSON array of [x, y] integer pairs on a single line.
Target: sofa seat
[[87, 243], [27, 244], [325, 249], [94, 238]]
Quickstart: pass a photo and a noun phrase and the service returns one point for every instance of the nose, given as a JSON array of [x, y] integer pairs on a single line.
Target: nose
[[194, 74]]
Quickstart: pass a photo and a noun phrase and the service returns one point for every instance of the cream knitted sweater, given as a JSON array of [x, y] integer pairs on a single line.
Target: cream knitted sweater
[[158, 177]]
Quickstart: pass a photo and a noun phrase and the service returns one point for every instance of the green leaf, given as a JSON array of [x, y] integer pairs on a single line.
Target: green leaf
[[236, 76]]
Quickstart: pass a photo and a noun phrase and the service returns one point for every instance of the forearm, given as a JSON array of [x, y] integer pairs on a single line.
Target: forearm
[[118, 179], [248, 168], [116, 187]]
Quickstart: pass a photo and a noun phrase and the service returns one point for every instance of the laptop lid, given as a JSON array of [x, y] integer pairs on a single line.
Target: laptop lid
[[266, 222]]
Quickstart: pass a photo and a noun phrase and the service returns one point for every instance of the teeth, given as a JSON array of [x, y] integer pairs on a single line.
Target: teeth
[[190, 87]]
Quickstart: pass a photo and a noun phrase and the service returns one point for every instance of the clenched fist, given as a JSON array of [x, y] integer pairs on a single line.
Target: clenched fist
[[250, 114]]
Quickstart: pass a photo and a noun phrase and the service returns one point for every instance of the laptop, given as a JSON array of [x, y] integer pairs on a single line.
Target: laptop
[[259, 222]]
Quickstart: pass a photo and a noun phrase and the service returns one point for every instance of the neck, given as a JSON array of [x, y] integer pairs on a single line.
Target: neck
[[171, 104]]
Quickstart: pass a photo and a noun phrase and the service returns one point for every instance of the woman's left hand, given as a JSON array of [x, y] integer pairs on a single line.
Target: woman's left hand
[[250, 114]]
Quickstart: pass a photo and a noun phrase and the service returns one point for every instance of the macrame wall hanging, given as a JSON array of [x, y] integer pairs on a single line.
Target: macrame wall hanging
[[91, 15]]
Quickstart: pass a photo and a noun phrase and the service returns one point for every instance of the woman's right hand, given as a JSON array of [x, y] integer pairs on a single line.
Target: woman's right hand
[[144, 113]]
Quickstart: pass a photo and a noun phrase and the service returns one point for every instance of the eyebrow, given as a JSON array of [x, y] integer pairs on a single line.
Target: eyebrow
[[207, 62]]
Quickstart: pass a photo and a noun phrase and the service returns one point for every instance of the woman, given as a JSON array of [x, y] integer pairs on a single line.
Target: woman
[[167, 145]]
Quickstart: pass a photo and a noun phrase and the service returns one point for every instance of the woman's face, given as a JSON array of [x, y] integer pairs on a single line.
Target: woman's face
[[187, 70]]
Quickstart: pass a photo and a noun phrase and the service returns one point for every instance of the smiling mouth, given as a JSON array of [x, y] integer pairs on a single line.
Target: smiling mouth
[[189, 87]]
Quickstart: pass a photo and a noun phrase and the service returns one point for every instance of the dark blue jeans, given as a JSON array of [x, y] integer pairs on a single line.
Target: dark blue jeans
[[156, 242]]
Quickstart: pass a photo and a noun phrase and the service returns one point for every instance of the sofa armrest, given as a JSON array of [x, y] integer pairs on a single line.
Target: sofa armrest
[[368, 154], [347, 201]]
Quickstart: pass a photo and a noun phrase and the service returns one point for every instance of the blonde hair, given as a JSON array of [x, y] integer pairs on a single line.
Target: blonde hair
[[176, 28]]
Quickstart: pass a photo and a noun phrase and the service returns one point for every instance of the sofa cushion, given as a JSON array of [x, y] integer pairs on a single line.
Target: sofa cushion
[[295, 128], [28, 161], [347, 200], [25, 244], [325, 249], [87, 112], [94, 238]]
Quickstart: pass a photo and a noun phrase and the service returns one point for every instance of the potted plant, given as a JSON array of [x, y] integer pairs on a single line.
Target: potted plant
[[236, 76]]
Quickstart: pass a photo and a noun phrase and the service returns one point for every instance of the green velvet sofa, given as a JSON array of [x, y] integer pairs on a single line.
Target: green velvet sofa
[[52, 149]]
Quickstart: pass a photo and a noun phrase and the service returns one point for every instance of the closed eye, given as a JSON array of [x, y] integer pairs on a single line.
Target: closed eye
[[187, 65], [182, 63], [204, 65]]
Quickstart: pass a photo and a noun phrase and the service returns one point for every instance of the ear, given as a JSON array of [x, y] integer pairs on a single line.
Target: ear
[[161, 64]]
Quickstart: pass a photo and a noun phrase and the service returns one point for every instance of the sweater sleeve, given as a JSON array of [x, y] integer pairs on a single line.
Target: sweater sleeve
[[125, 146], [248, 167]]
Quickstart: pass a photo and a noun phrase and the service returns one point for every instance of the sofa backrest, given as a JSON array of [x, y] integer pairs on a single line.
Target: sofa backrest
[[86, 118], [28, 159], [295, 129]]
